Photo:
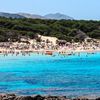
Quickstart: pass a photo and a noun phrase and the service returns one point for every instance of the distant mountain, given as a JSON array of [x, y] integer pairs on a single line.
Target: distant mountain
[[34, 16], [58, 16], [9, 15]]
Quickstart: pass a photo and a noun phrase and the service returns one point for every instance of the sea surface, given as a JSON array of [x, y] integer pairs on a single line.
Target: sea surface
[[73, 75]]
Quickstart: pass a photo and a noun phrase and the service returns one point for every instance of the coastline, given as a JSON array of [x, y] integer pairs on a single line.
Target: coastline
[[49, 48], [46, 52]]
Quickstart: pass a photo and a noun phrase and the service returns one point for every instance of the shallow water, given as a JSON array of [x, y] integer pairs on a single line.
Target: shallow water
[[55, 75]]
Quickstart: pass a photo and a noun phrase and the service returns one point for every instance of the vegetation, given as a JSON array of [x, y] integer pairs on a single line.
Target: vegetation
[[14, 29]]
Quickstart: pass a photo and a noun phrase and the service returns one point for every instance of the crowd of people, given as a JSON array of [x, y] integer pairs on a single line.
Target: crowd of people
[[47, 47]]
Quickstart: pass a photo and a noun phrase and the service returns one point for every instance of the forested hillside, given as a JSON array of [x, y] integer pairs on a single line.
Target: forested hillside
[[14, 29]]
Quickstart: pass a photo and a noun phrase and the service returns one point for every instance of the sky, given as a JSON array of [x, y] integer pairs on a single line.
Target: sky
[[78, 9]]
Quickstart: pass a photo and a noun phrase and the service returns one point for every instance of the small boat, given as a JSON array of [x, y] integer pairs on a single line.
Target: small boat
[[49, 53]]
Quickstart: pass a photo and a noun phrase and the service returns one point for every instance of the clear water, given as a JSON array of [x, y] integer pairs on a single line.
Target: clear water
[[53, 75]]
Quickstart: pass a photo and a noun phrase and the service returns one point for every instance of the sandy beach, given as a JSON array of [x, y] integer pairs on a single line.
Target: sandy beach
[[48, 48]]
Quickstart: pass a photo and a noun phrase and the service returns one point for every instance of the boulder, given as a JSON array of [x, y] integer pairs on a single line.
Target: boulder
[[24, 98], [38, 97]]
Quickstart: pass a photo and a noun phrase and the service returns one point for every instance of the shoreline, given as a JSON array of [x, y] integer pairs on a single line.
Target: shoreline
[[48, 48], [46, 52]]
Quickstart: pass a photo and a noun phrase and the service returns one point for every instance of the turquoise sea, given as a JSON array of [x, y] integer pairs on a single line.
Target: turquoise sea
[[73, 75]]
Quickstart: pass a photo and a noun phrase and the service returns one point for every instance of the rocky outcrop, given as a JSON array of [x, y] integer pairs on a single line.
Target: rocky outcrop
[[80, 35], [39, 97], [24, 98], [7, 96]]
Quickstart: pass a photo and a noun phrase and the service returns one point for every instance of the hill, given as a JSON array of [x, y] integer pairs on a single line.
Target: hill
[[9, 15], [14, 29], [56, 16], [33, 16]]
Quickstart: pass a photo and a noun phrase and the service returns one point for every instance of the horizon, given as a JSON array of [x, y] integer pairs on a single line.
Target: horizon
[[79, 10]]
